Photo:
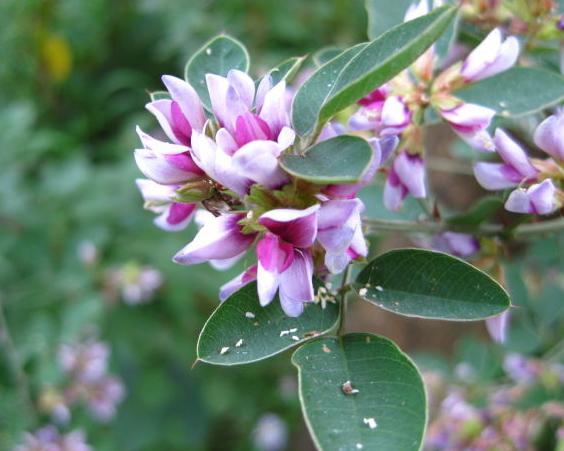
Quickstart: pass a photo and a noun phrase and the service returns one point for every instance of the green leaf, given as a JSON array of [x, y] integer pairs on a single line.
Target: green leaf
[[484, 209], [517, 92], [159, 95], [357, 71], [240, 317], [428, 284], [286, 70], [325, 55], [390, 391], [342, 159], [217, 56]]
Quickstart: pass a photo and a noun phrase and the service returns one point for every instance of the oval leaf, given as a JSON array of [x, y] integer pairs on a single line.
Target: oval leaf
[[286, 70], [389, 411], [342, 159], [428, 284], [371, 66], [264, 331], [516, 92], [217, 56]]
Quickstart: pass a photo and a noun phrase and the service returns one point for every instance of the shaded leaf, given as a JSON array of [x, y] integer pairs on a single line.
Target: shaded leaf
[[428, 284], [484, 209], [342, 159], [325, 55], [517, 92], [241, 317], [390, 393]]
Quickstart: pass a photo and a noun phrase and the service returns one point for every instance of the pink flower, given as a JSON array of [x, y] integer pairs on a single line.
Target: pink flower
[[161, 199], [246, 277], [497, 327], [459, 244], [406, 176], [284, 260], [538, 199], [549, 135], [219, 239], [470, 122], [340, 233], [386, 116], [492, 56], [515, 169]]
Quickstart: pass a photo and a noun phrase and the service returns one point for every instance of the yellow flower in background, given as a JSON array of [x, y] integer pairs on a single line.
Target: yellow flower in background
[[57, 56]]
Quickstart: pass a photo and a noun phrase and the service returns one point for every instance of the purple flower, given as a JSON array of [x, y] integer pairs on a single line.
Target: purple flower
[[181, 114], [520, 369], [339, 224], [165, 163], [103, 397], [406, 176], [386, 116], [284, 261], [173, 216], [246, 277], [515, 169], [50, 439], [470, 122], [492, 56], [86, 362], [459, 244], [497, 327], [219, 239], [538, 199], [549, 135]]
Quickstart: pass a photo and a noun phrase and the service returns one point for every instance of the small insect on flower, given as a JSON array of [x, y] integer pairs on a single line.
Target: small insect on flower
[[370, 422], [348, 389], [224, 350]]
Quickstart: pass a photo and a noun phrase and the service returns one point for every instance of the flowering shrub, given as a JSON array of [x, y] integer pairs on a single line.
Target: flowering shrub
[[271, 171]]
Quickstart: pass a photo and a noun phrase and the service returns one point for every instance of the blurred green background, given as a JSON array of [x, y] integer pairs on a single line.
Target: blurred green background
[[74, 77]]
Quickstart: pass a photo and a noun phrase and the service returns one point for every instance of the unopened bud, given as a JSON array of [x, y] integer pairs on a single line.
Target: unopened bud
[[194, 191]]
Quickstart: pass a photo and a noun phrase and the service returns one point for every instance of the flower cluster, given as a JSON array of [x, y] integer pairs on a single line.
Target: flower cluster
[[50, 439], [459, 422], [536, 191], [134, 283], [86, 366], [397, 108], [229, 166]]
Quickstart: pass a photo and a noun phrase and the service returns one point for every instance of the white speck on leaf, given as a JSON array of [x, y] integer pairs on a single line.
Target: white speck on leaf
[[224, 350], [239, 343], [348, 388], [370, 422], [363, 291], [359, 446], [249, 315], [295, 338], [284, 332], [208, 51], [293, 330], [379, 288]]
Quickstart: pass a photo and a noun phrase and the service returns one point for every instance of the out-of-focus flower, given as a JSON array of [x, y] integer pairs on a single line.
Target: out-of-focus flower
[[103, 397], [515, 169], [497, 327], [470, 122], [271, 433], [86, 362], [87, 253], [135, 284], [549, 135], [387, 117], [521, 369], [406, 176], [459, 244], [492, 56], [538, 199], [49, 438]]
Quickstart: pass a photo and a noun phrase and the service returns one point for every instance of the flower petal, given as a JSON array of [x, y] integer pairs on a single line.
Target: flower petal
[[497, 327], [275, 110], [154, 192], [411, 172], [187, 98], [274, 256], [176, 217], [513, 154], [549, 135], [296, 285], [506, 58], [258, 161], [162, 110], [244, 85], [495, 176], [394, 192], [298, 227], [160, 169], [538, 199], [395, 116], [237, 283], [218, 239]]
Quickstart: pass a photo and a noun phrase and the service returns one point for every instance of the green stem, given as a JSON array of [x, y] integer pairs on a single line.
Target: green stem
[[344, 295], [373, 226]]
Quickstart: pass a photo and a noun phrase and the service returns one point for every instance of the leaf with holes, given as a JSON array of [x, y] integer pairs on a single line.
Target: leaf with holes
[[217, 56], [247, 332], [428, 284], [356, 72], [360, 392], [517, 92], [343, 159]]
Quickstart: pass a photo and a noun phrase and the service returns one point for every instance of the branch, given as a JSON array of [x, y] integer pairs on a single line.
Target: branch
[[521, 231]]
